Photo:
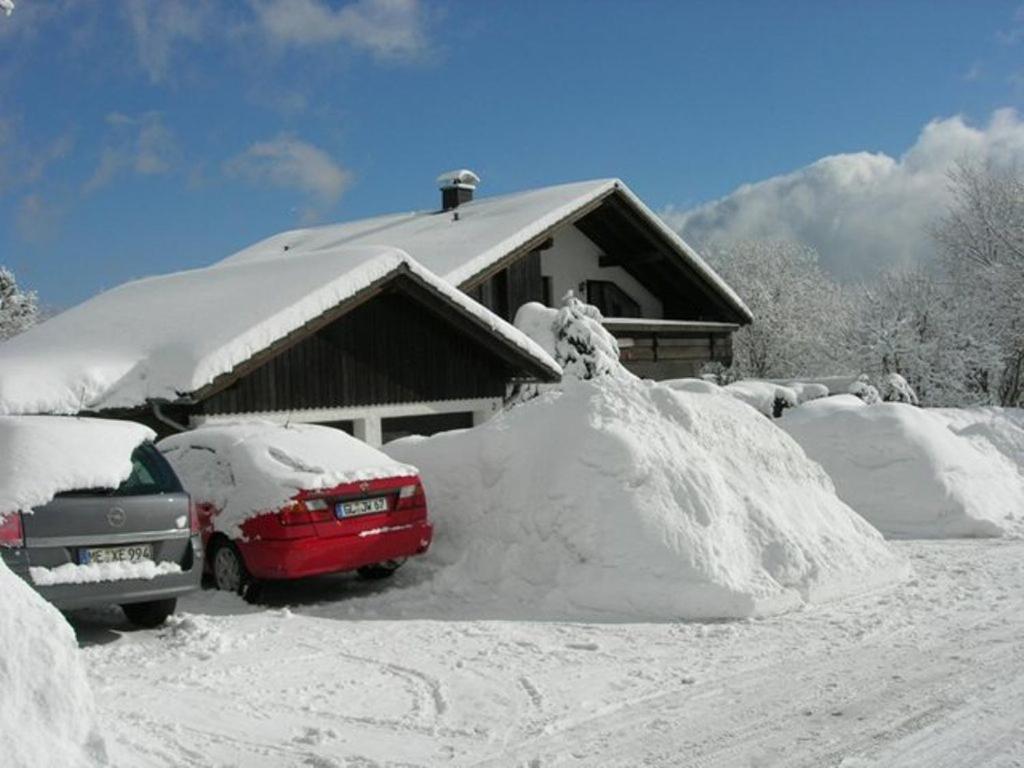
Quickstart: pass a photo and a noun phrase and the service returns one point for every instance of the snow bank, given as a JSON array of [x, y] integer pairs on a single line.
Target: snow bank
[[629, 498], [44, 455], [47, 713], [998, 432], [247, 468], [906, 472]]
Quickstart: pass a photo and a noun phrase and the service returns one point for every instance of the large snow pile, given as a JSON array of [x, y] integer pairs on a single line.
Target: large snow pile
[[906, 472], [615, 496], [998, 432], [47, 712], [247, 468], [43, 455]]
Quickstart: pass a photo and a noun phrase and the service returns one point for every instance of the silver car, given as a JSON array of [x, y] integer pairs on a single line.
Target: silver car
[[137, 545]]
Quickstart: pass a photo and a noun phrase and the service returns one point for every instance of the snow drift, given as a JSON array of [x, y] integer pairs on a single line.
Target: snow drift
[[246, 468], [47, 712], [615, 496], [906, 471]]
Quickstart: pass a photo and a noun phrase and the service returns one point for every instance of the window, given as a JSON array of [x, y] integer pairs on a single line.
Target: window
[[611, 300], [150, 474]]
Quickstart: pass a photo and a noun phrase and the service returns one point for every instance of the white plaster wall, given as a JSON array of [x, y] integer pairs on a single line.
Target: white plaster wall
[[573, 258]]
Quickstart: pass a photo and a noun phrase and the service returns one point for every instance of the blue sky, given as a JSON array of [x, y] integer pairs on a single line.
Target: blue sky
[[144, 137]]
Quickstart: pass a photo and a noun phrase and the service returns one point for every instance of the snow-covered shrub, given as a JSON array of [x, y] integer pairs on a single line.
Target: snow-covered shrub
[[718, 373], [583, 347], [574, 336], [765, 396], [895, 389], [865, 390]]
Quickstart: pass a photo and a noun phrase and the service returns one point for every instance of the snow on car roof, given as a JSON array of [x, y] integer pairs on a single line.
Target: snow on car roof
[[485, 230], [247, 467], [166, 336], [45, 455]]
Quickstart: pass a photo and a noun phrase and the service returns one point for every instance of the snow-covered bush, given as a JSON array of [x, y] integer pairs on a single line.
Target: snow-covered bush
[[765, 396], [865, 390], [895, 389], [18, 309], [574, 335]]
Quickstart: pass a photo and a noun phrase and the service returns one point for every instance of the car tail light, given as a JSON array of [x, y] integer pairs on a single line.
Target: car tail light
[[11, 532], [305, 511], [410, 496], [193, 516]]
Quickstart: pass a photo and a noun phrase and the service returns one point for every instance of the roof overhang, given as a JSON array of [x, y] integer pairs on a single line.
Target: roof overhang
[[461, 311]]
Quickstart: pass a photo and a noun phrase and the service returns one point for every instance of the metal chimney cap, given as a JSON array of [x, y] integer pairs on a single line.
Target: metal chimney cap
[[460, 179]]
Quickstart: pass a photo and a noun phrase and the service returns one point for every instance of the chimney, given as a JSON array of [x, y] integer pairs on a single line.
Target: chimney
[[456, 188]]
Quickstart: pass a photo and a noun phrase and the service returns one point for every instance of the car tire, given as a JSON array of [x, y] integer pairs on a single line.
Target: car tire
[[381, 570], [150, 614], [230, 573]]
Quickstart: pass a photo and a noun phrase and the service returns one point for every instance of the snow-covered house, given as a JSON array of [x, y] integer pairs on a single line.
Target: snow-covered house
[[383, 326], [669, 310]]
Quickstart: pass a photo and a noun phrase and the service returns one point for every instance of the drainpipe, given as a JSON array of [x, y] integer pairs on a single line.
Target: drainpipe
[[162, 417]]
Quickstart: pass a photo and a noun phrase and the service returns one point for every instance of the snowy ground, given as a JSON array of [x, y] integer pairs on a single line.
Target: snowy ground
[[336, 672]]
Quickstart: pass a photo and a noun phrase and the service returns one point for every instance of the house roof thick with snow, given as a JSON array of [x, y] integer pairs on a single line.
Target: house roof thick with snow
[[467, 245], [186, 335]]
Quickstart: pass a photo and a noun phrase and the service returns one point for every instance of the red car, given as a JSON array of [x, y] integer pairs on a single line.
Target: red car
[[288, 501]]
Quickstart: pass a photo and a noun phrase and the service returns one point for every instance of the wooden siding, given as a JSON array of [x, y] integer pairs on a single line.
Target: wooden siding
[[507, 290], [657, 356], [391, 349]]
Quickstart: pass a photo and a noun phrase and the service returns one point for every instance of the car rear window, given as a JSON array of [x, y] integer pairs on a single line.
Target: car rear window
[[150, 474]]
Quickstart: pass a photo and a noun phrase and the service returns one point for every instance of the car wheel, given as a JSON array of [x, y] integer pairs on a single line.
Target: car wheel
[[151, 614], [230, 573], [380, 570]]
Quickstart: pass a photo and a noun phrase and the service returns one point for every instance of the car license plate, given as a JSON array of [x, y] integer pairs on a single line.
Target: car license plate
[[131, 554], [362, 507]]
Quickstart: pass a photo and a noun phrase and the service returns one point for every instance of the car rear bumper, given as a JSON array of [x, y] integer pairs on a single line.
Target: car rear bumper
[[122, 591], [297, 558]]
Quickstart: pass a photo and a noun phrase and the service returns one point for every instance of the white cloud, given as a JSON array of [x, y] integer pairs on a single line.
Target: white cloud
[[140, 144], [162, 26], [389, 29], [860, 211], [291, 163]]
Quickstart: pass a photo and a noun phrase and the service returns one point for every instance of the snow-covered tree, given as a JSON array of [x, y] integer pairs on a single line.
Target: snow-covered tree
[[18, 308], [865, 390], [981, 244], [7, 6], [800, 313], [895, 389], [910, 323]]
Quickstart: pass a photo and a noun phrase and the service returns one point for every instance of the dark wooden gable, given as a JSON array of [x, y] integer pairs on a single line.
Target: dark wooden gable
[[397, 347], [628, 241]]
